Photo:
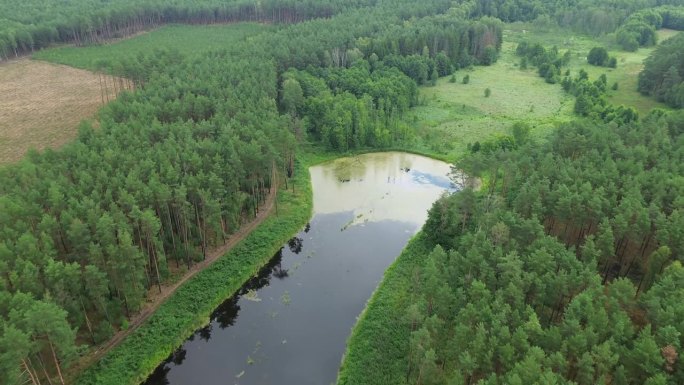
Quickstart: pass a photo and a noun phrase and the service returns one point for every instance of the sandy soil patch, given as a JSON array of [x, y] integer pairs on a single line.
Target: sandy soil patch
[[41, 105]]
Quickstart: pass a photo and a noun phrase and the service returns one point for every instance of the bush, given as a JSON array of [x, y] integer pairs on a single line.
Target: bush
[[466, 79], [612, 62], [487, 92], [598, 56]]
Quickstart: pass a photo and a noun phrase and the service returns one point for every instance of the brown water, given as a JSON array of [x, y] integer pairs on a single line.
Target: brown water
[[289, 324]]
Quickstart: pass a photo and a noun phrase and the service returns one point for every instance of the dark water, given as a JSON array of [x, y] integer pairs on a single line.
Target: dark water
[[289, 325]]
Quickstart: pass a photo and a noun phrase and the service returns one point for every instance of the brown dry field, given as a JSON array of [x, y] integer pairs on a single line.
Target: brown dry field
[[41, 105]]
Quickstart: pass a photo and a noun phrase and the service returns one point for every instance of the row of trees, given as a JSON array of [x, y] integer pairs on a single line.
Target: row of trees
[[663, 73], [565, 269], [586, 16], [591, 99], [30, 25]]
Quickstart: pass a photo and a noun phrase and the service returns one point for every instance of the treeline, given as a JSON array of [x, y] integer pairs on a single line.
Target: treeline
[[177, 165], [30, 25], [586, 16], [590, 99], [663, 73], [565, 269], [357, 99], [639, 30]]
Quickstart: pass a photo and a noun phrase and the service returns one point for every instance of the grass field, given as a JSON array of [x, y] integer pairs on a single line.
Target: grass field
[[629, 63], [41, 105], [452, 115], [455, 114], [187, 39]]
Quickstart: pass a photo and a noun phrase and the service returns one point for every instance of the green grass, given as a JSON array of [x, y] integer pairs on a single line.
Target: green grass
[[455, 114], [626, 74], [378, 346], [187, 39], [452, 115], [190, 306]]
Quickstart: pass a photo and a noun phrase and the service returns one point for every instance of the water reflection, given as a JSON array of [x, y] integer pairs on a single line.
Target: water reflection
[[226, 314], [295, 245]]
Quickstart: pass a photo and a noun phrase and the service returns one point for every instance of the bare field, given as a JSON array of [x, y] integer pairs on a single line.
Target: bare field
[[41, 105]]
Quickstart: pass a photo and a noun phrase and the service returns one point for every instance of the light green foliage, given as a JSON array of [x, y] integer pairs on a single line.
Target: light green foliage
[[629, 64], [454, 115]]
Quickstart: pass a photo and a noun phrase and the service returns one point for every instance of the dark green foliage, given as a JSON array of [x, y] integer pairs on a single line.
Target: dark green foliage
[[639, 29], [133, 360], [590, 100], [487, 92], [466, 79], [663, 73], [564, 268], [598, 56], [548, 62], [612, 62], [176, 166], [590, 96]]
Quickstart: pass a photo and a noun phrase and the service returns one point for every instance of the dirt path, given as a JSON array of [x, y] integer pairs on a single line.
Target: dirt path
[[153, 303]]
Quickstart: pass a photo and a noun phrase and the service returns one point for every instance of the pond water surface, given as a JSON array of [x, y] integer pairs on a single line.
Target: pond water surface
[[289, 324]]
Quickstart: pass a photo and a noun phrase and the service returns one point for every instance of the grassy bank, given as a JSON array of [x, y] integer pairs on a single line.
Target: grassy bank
[[189, 308]]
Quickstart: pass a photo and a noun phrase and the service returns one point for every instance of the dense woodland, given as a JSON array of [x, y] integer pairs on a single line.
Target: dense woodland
[[561, 269], [178, 164], [29, 25], [663, 74], [566, 269]]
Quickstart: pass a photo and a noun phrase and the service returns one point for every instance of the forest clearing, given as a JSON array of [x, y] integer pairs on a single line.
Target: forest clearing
[[453, 115], [41, 104]]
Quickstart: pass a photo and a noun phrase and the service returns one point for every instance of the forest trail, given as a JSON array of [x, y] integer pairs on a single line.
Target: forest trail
[[153, 303]]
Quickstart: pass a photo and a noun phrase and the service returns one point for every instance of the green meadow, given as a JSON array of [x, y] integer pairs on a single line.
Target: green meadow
[[453, 115], [629, 63]]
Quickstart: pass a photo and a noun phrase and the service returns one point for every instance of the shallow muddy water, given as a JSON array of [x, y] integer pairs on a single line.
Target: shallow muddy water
[[289, 325]]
